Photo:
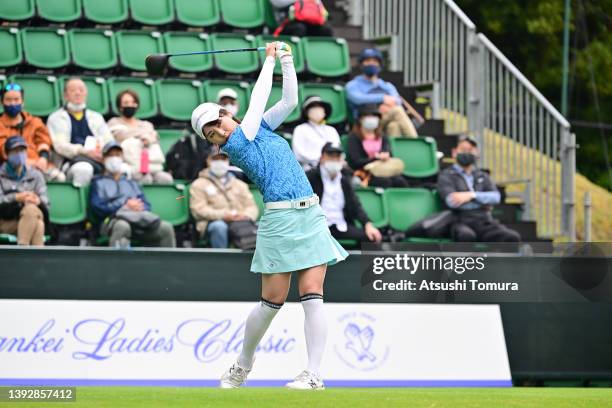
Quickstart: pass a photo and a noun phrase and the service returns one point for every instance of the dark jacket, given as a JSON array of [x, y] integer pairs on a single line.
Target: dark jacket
[[32, 180], [108, 195], [356, 155], [352, 207], [187, 157]]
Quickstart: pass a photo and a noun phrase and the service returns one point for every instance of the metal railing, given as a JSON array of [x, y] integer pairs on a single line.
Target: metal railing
[[521, 134]]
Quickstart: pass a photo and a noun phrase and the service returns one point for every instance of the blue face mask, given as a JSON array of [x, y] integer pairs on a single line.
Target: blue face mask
[[17, 159], [12, 110], [370, 70]]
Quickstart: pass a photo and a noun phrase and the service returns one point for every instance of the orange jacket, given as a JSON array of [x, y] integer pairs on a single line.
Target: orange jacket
[[33, 131]]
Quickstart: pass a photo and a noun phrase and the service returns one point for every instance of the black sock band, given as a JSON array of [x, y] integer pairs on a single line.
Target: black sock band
[[310, 296], [271, 304]]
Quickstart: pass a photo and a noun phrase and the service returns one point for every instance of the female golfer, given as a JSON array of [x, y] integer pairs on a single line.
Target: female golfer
[[293, 233]]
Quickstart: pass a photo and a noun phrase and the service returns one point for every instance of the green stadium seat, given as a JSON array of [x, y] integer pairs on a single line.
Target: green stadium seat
[[59, 11], [269, 17], [344, 143], [152, 12], [186, 42], [46, 47], [243, 13], [16, 10], [296, 50], [164, 202], [106, 11], [11, 52], [93, 49], [418, 155], [168, 137], [42, 93], [409, 205], [212, 88], [235, 62], [68, 203], [145, 88], [8, 239], [327, 57], [97, 93], [178, 97], [134, 46], [198, 13], [275, 96], [374, 204], [258, 197], [334, 94]]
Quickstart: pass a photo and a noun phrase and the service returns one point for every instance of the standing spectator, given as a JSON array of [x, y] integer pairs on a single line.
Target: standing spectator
[[23, 195], [122, 205], [370, 89], [310, 136], [470, 192], [219, 198], [366, 145], [78, 134], [307, 20], [16, 121], [139, 140], [338, 199], [228, 99]]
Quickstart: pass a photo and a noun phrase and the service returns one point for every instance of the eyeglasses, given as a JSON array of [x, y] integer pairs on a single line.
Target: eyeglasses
[[13, 87]]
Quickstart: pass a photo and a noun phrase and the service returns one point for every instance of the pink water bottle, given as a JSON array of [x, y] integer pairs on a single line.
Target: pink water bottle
[[144, 161]]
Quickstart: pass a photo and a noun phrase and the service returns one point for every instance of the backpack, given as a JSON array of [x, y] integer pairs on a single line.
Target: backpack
[[187, 157], [307, 11]]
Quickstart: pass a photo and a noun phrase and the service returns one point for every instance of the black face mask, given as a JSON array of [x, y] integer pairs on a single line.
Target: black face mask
[[465, 159], [128, 111]]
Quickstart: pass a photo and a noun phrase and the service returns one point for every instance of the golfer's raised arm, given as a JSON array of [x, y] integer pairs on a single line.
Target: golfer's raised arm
[[259, 97], [277, 114]]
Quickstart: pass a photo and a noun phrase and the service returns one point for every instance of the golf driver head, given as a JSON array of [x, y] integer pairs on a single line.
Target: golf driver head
[[157, 64]]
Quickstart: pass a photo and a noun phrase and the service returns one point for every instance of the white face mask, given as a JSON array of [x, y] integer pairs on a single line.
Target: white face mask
[[332, 167], [231, 108], [219, 167], [113, 164], [370, 122], [76, 107], [316, 114]]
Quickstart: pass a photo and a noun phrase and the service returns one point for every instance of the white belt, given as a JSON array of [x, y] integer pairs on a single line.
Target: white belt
[[295, 204]]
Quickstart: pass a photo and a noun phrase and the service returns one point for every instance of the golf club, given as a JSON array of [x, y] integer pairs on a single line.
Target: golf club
[[157, 63]]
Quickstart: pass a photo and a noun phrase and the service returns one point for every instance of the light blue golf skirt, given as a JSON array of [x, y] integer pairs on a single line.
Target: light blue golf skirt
[[291, 239]]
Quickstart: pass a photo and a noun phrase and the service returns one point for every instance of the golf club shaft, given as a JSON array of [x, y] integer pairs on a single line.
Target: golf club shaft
[[217, 51]]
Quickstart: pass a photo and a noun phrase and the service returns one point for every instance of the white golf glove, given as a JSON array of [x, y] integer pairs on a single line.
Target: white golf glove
[[282, 49]]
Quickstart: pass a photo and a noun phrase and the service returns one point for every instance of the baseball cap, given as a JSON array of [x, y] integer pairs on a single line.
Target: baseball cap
[[370, 53], [203, 114], [469, 139], [110, 145], [331, 148], [227, 93], [14, 142]]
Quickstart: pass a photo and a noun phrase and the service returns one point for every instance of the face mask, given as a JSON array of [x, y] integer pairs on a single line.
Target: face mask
[[316, 114], [370, 122], [465, 159], [17, 159], [219, 167], [113, 164], [231, 108], [128, 111], [333, 167], [370, 70], [76, 107], [12, 110]]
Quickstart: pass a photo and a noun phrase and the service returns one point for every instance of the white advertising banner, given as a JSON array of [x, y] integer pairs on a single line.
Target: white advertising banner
[[70, 342]]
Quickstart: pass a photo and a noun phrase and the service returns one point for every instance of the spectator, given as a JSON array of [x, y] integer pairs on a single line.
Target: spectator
[[366, 145], [308, 21], [310, 136], [23, 195], [78, 134], [228, 99], [123, 206], [370, 89], [218, 198], [16, 121], [338, 199], [139, 140], [471, 193]]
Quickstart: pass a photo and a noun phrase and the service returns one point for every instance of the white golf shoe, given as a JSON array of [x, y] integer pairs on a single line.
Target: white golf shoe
[[306, 381], [234, 377]]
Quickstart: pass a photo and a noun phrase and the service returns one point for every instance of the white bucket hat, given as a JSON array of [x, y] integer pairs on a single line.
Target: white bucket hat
[[203, 114]]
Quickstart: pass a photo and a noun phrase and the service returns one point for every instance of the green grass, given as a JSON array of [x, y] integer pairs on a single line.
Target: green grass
[[337, 397]]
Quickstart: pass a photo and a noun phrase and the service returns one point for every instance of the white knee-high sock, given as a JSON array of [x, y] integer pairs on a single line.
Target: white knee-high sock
[[315, 329], [256, 325]]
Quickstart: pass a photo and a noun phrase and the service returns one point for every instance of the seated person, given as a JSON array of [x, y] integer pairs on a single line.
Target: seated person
[[139, 140], [187, 157], [310, 136], [311, 22], [228, 99], [217, 198], [338, 200], [366, 144], [370, 89], [78, 134], [470, 192], [23, 195], [16, 121], [112, 193]]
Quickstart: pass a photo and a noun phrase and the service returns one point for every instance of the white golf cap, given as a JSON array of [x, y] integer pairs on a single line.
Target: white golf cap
[[203, 114], [227, 93]]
